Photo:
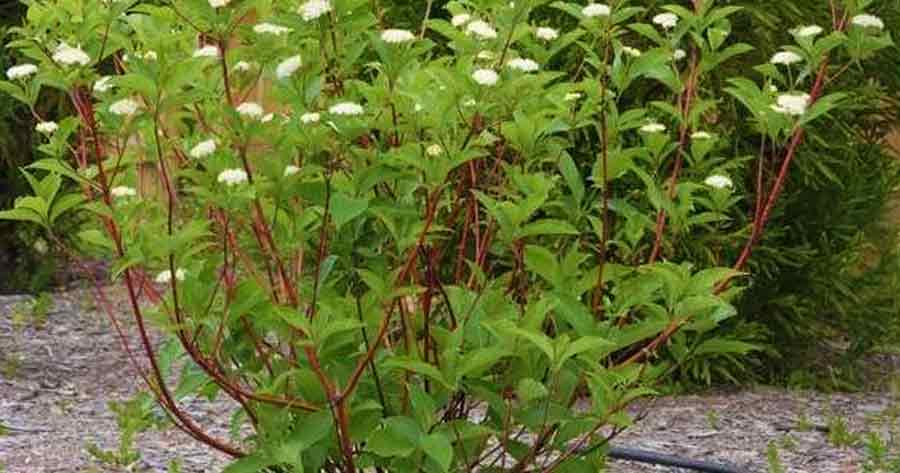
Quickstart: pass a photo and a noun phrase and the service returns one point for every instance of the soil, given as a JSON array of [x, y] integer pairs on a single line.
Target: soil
[[54, 402]]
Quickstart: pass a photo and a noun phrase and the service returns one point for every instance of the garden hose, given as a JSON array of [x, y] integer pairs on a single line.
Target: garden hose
[[645, 456]]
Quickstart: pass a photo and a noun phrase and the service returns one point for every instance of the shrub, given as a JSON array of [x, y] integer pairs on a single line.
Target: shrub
[[417, 253]]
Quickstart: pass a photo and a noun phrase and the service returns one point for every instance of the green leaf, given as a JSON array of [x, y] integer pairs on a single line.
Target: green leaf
[[397, 437], [541, 261], [573, 178], [416, 366], [476, 362], [249, 464], [345, 208], [530, 389], [547, 226], [438, 447], [23, 215]]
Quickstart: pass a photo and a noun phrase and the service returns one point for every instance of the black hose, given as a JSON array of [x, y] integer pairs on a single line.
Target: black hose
[[645, 456]]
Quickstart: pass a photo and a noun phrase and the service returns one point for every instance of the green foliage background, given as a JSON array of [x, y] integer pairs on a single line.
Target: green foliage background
[[827, 269]]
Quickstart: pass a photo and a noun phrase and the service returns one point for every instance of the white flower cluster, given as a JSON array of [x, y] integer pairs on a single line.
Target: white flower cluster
[[808, 31], [481, 29], [786, 58], [21, 71], [288, 67], [310, 117], [165, 277], [679, 54], [103, 84], [250, 110], [124, 107], [701, 135], [68, 55], [232, 177], [120, 192], [524, 65], [207, 51], [272, 29], [434, 150], [46, 127], [203, 149], [719, 181], [461, 19], [242, 66], [592, 10], [546, 33], [395, 36], [791, 104], [666, 20], [346, 108], [653, 128], [485, 77], [219, 3], [290, 170], [868, 21], [313, 9], [633, 52]]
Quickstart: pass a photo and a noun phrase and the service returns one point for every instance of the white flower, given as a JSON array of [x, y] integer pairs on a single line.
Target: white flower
[[124, 107], [122, 191], [791, 104], [218, 3], [67, 55], [242, 66], [149, 56], [786, 58], [310, 117], [679, 54], [524, 65], [269, 28], [165, 277], [653, 128], [545, 33], [346, 108], [701, 135], [313, 9], [267, 118], [290, 170], [633, 52], [486, 55], [485, 77], [666, 20], [481, 29], [203, 149], [103, 84], [207, 51], [21, 71], [868, 21], [233, 177], [595, 9], [572, 96], [807, 31], [288, 67], [395, 36], [461, 19], [40, 245], [719, 181], [435, 150], [250, 110], [46, 127]]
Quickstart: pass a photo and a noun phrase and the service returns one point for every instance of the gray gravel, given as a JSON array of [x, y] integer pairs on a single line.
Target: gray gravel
[[69, 369]]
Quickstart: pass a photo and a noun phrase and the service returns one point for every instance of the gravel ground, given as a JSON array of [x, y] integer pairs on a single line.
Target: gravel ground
[[55, 399]]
